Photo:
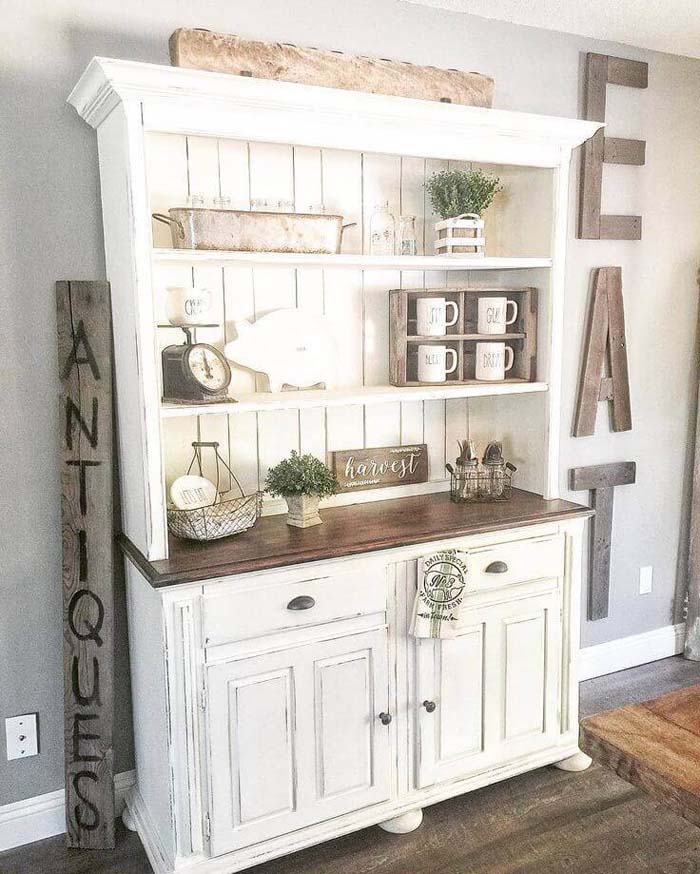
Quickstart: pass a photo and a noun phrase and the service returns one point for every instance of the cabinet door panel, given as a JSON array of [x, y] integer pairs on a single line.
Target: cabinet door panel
[[254, 754], [351, 689], [524, 674], [496, 689], [260, 717], [294, 737]]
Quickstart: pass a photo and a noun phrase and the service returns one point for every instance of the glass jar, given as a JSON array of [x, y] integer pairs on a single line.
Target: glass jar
[[223, 201], [408, 244], [382, 231], [196, 201]]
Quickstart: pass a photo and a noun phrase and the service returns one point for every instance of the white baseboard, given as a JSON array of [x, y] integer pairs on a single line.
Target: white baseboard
[[43, 816], [628, 652]]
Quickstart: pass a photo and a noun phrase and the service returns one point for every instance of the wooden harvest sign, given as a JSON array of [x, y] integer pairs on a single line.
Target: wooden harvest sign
[[85, 369], [380, 467]]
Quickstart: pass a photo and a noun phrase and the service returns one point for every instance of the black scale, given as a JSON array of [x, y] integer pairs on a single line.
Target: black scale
[[194, 372]]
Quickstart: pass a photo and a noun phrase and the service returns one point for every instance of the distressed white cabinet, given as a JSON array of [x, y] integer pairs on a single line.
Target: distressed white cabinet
[[297, 737], [492, 692], [259, 728]]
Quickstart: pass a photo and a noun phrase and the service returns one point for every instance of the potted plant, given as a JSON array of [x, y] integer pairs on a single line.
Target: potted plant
[[302, 480], [460, 197]]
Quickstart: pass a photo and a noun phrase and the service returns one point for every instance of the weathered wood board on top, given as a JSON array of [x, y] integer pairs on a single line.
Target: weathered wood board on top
[[601, 71], [85, 369], [605, 338], [601, 479], [379, 467], [653, 745], [228, 53]]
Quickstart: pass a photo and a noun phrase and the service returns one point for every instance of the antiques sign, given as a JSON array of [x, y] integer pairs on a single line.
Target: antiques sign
[[380, 467], [85, 370]]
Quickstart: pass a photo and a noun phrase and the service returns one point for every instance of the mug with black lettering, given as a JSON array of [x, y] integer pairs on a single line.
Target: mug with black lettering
[[492, 315], [188, 306], [432, 363], [431, 316], [493, 361]]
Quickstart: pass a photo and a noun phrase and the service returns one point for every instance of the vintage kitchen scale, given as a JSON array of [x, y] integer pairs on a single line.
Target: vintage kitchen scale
[[194, 372]]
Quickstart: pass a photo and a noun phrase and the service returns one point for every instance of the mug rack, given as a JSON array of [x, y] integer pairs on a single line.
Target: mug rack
[[463, 336]]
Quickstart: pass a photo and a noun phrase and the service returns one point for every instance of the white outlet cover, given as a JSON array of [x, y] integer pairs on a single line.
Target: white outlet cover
[[22, 736], [646, 579]]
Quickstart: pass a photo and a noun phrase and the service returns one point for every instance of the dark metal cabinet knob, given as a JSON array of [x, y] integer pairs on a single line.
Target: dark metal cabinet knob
[[429, 706], [301, 602], [385, 718], [497, 567]]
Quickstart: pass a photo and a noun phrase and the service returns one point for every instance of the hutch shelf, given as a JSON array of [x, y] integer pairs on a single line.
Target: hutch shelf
[[225, 779]]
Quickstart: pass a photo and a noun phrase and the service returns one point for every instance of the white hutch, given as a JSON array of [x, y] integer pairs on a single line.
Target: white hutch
[[259, 729]]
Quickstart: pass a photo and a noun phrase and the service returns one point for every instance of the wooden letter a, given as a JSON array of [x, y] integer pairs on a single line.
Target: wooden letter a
[[606, 337]]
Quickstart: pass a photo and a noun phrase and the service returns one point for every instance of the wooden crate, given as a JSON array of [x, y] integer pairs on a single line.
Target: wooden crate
[[463, 336]]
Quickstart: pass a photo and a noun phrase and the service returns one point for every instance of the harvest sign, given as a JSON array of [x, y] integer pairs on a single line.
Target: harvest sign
[[384, 466], [85, 370]]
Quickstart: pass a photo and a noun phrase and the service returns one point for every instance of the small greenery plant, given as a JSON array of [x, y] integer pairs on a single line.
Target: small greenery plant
[[455, 192], [301, 475]]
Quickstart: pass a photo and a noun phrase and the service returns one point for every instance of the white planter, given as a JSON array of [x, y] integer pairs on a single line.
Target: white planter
[[462, 235], [303, 510]]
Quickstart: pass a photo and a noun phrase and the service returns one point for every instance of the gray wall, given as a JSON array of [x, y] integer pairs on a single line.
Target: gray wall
[[50, 224]]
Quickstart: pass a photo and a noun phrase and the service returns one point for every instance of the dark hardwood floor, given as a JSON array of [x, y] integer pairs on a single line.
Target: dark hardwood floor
[[544, 822]]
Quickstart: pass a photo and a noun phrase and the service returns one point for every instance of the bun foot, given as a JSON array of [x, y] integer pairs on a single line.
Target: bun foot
[[578, 762], [402, 825]]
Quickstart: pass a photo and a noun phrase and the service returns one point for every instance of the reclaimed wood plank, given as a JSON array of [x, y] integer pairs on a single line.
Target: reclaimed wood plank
[[623, 151], [85, 370], [591, 184], [229, 53], [620, 227], [625, 71], [603, 476], [617, 343], [593, 360]]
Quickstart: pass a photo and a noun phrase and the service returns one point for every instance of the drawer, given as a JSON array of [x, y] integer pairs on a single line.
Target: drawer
[[265, 608], [517, 561]]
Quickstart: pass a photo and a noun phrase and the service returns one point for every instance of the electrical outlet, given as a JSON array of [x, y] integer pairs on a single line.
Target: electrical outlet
[[646, 575], [22, 736]]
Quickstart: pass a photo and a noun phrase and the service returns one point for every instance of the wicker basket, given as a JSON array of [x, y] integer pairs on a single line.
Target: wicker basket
[[222, 518]]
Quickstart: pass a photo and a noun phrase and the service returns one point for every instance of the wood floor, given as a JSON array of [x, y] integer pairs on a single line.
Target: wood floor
[[545, 822]]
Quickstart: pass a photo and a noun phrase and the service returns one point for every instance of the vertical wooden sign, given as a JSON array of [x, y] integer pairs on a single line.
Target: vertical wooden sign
[[85, 370]]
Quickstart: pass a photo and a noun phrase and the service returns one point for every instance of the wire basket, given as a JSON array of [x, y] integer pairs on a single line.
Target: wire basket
[[226, 516], [473, 484]]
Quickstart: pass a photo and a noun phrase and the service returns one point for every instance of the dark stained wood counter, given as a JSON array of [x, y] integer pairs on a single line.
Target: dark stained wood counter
[[352, 530]]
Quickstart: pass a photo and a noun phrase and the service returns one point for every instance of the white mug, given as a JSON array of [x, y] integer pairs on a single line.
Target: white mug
[[493, 314], [431, 316], [493, 361], [188, 306], [432, 363]]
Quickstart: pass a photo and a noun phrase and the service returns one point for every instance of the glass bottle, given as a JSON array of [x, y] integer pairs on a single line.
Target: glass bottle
[[408, 244], [223, 201], [382, 231], [196, 201]]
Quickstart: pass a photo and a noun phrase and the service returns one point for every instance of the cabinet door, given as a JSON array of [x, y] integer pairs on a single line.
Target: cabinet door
[[495, 688], [294, 737]]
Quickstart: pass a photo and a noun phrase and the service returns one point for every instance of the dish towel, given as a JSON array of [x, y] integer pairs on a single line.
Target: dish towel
[[442, 579]]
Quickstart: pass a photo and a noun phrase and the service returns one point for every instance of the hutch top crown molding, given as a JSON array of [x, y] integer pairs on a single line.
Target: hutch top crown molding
[[309, 115]]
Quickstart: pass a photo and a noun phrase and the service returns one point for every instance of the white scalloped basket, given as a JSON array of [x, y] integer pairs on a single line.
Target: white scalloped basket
[[462, 235]]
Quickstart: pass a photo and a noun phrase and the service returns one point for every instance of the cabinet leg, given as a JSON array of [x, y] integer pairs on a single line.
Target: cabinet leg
[[578, 762], [128, 819], [402, 825]]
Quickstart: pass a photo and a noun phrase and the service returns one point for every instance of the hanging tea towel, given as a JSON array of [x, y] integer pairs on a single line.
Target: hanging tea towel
[[442, 579]]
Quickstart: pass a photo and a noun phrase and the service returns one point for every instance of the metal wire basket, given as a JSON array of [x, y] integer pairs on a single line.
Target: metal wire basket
[[480, 484], [226, 516]]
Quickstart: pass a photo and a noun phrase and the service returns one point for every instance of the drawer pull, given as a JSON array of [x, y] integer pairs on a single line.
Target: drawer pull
[[429, 706], [497, 567], [385, 718], [301, 602]]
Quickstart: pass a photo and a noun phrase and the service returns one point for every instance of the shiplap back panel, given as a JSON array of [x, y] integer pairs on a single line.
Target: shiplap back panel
[[355, 302]]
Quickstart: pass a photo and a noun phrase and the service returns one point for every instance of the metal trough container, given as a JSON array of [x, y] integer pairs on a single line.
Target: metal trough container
[[242, 231]]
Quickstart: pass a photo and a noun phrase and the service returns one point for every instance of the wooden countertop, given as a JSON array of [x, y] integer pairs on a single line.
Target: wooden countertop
[[653, 745], [352, 530]]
